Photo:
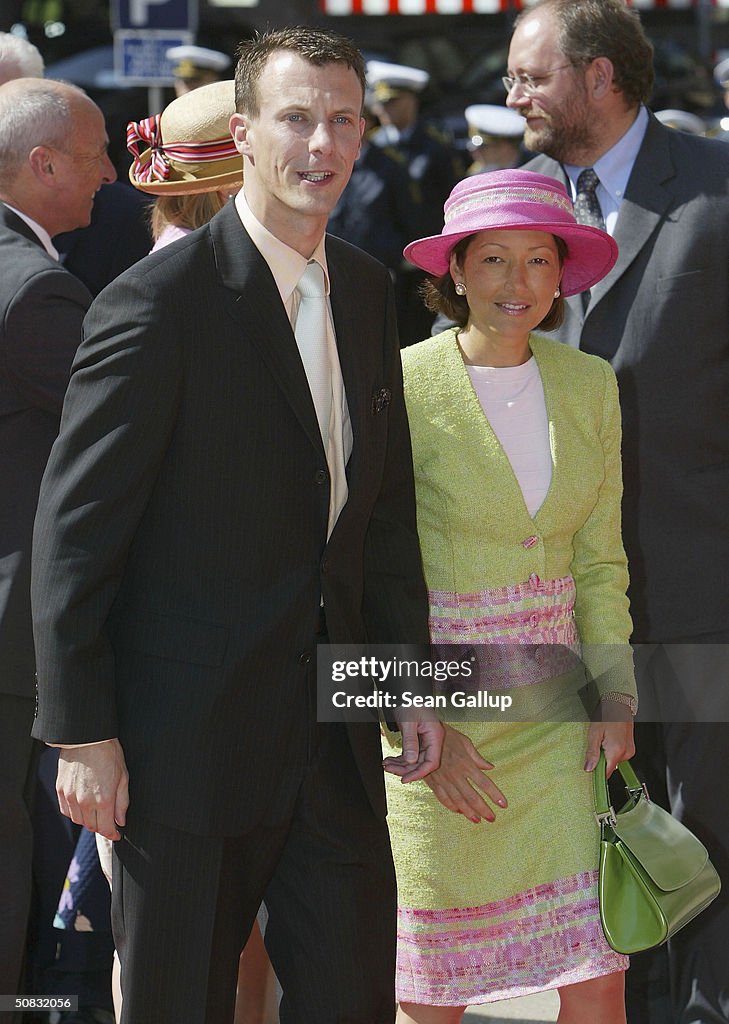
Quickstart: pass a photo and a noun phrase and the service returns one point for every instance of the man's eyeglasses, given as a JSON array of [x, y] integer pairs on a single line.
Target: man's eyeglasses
[[529, 84]]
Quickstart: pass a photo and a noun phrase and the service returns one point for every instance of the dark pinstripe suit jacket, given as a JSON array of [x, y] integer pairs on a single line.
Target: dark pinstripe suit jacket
[[42, 308], [180, 546]]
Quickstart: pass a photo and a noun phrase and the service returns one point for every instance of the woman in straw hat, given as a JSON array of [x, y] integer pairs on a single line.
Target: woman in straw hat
[[186, 157], [516, 446]]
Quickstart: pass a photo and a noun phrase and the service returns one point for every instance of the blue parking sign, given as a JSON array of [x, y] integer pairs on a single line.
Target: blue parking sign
[[154, 14], [140, 57]]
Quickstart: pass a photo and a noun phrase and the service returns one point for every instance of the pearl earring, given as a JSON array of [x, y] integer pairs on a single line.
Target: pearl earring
[[556, 294], [460, 288]]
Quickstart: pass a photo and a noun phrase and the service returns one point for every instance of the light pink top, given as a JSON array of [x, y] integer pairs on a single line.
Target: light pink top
[[170, 234], [512, 398]]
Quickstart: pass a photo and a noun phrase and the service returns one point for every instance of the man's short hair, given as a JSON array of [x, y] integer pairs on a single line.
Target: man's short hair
[[19, 58], [317, 46], [39, 114], [604, 28]]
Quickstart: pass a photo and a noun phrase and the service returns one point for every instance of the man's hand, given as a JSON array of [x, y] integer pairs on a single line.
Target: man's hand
[[422, 742], [93, 787], [460, 777]]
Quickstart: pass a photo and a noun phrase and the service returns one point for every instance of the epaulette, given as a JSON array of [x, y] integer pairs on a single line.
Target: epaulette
[[396, 155], [438, 135]]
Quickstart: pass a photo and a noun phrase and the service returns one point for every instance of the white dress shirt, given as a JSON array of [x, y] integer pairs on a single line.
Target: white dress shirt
[[43, 237], [287, 266], [614, 169]]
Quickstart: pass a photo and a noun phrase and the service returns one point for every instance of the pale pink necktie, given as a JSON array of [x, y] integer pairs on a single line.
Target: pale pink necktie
[[311, 337]]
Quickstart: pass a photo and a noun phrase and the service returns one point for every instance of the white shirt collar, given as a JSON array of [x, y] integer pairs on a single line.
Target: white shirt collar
[[43, 237], [285, 263]]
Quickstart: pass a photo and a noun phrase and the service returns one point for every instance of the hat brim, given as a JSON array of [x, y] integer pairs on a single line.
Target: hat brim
[[591, 253], [187, 186]]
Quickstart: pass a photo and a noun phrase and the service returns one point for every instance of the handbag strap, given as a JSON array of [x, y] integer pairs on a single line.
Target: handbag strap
[[604, 811]]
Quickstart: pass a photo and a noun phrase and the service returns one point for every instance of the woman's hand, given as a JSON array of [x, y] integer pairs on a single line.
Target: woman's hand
[[615, 738], [461, 775]]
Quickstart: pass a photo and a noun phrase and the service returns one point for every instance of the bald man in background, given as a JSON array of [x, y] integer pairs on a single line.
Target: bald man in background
[[52, 163]]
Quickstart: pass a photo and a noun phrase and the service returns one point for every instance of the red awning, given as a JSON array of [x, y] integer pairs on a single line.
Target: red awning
[[340, 7]]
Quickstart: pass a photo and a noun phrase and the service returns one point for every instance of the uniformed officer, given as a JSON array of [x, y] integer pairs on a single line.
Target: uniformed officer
[[683, 120], [195, 66], [721, 77], [379, 209], [433, 163], [494, 137]]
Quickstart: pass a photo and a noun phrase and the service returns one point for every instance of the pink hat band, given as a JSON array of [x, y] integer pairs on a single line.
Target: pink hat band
[[518, 200]]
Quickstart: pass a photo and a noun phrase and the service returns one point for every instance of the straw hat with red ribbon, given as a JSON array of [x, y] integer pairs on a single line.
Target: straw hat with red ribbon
[[187, 148]]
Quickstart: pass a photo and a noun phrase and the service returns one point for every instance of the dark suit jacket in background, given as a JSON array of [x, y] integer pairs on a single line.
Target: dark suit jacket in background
[[118, 236], [662, 318], [42, 308], [180, 559], [41, 311]]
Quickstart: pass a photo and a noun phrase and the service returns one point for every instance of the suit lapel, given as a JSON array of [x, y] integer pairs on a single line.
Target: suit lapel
[[646, 201], [255, 305], [647, 198], [354, 358], [556, 399]]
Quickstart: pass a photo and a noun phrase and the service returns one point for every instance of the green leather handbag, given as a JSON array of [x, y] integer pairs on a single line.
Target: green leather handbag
[[655, 875]]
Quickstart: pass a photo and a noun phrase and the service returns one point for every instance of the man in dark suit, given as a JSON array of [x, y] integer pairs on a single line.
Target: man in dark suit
[[53, 161], [217, 504], [580, 72]]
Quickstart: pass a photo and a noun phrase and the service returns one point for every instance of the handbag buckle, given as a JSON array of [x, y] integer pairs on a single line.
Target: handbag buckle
[[606, 818], [634, 791]]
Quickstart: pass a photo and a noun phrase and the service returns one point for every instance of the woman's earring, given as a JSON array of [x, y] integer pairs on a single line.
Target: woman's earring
[[557, 294], [460, 288]]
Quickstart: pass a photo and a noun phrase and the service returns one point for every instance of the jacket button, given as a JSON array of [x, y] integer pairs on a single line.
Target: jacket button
[[534, 581], [324, 567], [320, 476], [305, 658], [529, 542]]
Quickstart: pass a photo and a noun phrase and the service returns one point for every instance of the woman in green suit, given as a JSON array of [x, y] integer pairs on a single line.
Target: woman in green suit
[[516, 447]]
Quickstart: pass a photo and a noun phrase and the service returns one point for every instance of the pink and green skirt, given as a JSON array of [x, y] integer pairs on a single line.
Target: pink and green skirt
[[494, 911]]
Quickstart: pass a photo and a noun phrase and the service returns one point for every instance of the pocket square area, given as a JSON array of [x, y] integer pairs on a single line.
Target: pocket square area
[[381, 399]]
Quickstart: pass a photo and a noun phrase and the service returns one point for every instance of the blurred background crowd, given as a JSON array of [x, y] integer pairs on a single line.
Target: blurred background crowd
[[463, 53]]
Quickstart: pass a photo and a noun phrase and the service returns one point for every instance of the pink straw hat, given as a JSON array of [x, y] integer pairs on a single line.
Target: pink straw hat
[[517, 200]]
